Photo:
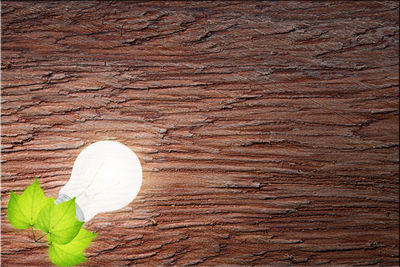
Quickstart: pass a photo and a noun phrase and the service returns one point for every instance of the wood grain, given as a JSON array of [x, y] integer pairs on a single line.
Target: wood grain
[[268, 131]]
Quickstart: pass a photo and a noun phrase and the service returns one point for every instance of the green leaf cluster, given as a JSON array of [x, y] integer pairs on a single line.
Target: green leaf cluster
[[65, 236]]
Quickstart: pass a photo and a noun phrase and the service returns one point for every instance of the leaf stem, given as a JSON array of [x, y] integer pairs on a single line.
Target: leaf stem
[[41, 237], [34, 237], [33, 232]]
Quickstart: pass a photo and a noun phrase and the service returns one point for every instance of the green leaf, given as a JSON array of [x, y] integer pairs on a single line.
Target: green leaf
[[71, 253], [59, 222], [23, 210]]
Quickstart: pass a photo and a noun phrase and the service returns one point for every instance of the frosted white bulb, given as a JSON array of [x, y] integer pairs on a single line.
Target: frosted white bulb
[[106, 176]]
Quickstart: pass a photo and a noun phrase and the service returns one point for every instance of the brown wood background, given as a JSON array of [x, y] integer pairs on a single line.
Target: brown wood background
[[268, 131]]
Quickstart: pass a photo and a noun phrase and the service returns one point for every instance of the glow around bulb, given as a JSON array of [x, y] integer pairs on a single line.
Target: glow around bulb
[[106, 176]]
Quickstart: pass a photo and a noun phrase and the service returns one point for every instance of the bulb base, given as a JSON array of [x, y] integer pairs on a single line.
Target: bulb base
[[79, 214]]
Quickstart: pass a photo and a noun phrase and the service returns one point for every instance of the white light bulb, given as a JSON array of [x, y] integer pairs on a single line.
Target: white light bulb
[[106, 176]]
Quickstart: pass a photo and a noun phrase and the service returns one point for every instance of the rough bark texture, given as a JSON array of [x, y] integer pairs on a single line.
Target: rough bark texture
[[268, 131]]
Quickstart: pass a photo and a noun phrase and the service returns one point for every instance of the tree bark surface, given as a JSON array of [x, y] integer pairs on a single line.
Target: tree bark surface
[[267, 131]]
